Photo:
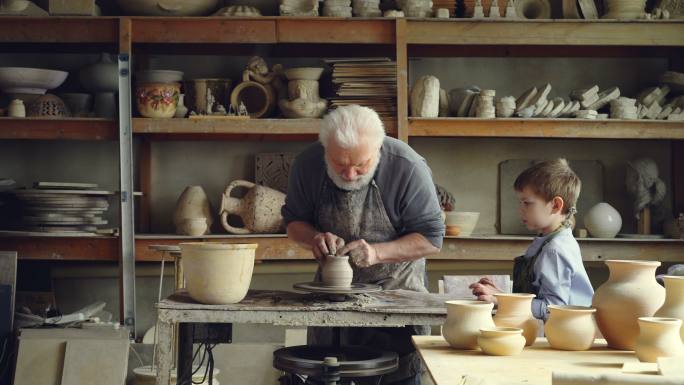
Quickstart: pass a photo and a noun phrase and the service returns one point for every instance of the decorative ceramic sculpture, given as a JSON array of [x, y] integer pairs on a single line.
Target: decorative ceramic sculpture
[[337, 272], [260, 88], [193, 203], [168, 7], [658, 337], [200, 92], [515, 311], [47, 106], [630, 292], [298, 8], [501, 341], [425, 97], [464, 320], [16, 109], [674, 300], [485, 104], [102, 79], [603, 221], [259, 209], [218, 273], [157, 100], [644, 185], [238, 11], [302, 91], [181, 109], [570, 327]]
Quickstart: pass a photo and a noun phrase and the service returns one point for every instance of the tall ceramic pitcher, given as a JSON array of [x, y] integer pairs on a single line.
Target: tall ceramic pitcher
[[259, 209]]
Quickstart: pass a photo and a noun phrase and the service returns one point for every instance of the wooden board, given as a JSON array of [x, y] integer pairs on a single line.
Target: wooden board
[[533, 366], [590, 173]]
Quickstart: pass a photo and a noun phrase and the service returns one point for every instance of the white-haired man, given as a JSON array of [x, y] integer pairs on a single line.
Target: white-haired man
[[360, 193]]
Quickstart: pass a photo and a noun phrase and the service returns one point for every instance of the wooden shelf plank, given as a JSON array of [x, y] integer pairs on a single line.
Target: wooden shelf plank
[[546, 128], [214, 30], [59, 30], [98, 248], [71, 128], [335, 30], [546, 32], [295, 128]]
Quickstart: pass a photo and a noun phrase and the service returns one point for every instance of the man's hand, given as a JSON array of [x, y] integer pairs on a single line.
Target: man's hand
[[485, 289], [361, 253], [326, 244]]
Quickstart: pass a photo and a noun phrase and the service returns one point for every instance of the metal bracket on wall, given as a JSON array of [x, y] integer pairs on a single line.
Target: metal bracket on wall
[[126, 238]]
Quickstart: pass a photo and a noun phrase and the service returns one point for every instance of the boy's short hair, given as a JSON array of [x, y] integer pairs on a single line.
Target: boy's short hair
[[550, 179]]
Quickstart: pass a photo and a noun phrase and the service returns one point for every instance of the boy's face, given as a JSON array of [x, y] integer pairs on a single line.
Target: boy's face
[[535, 212]]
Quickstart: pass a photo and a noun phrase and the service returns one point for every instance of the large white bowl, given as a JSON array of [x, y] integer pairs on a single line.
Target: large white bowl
[[168, 7], [30, 80], [466, 221]]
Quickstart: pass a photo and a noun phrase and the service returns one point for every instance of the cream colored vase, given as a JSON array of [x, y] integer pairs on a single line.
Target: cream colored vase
[[218, 273], [658, 337], [630, 292], [674, 300], [500, 341], [464, 320], [191, 205], [337, 272], [515, 311], [570, 327], [259, 209]]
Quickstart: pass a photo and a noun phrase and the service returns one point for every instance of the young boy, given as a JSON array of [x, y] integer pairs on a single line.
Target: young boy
[[552, 267]]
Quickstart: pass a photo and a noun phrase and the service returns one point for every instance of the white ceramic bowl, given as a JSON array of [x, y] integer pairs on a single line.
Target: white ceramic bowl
[[304, 73], [159, 76], [465, 220], [30, 80]]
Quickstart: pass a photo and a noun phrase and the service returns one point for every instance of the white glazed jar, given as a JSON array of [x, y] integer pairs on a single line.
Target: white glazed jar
[[603, 221], [16, 109]]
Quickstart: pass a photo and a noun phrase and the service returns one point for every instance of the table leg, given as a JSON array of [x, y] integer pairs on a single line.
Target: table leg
[[185, 340], [164, 352]]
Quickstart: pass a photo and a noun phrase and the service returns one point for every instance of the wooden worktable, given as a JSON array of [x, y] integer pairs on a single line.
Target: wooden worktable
[[533, 366]]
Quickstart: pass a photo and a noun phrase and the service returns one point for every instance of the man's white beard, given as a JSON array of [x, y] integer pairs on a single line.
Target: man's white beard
[[359, 183]]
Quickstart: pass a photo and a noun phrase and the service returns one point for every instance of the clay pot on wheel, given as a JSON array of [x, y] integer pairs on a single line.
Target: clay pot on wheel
[[337, 272], [259, 209], [464, 320]]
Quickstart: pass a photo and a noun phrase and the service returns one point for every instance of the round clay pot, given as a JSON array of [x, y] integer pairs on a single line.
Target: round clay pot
[[658, 337], [674, 300], [337, 272], [464, 320], [217, 273], [157, 100], [193, 203], [515, 311], [603, 221], [258, 98], [501, 341], [259, 209], [630, 292], [570, 327]]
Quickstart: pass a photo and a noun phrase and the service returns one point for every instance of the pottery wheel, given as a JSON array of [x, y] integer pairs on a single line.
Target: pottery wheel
[[337, 293]]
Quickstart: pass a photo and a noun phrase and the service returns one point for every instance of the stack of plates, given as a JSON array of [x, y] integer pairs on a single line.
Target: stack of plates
[[58, 208], [624, 9], [370, 82]]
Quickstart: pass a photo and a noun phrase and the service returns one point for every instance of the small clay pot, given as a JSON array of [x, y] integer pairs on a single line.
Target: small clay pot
[[515, 311], [337, 272], [500, 341], [570, 327], [658, 337], [464, 320], [157, 100]]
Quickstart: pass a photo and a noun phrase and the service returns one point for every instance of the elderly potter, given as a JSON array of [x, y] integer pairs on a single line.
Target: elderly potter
[[360, 193]]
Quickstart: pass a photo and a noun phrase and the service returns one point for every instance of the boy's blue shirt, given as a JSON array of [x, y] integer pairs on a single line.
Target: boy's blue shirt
[[559, 274]]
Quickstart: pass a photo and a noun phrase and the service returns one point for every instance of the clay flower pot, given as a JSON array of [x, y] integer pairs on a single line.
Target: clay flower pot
[[259, 209], [464, 320], [570, 327], [658, 337], [501, 341], [337, 272], [218, 273], [603, 221], [674, 300], [630, 292], [157, 100], [515, 311], [192, 204]]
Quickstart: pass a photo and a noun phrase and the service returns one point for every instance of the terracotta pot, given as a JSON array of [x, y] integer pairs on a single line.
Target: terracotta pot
[[259, 209], [658, 337], [674, 300], [337, 272], [630, 292], [218, 273], [501, 341], [515, 311], [193, 203], [157, 100], [570, 327], [464, 320], [603, 221]]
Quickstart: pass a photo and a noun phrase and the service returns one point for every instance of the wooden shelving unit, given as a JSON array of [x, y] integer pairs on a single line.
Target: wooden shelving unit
[[53, 129]]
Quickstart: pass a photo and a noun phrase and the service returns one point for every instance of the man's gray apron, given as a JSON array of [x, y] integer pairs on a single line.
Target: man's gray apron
[[360, 214]]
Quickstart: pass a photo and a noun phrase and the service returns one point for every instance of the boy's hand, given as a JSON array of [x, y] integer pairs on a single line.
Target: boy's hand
[[485, 289]]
